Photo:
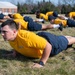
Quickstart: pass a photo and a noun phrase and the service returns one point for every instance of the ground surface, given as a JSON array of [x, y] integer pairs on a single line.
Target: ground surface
[[61, 64]]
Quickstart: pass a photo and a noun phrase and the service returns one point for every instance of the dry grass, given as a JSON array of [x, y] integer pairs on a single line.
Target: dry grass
[[61, 64]]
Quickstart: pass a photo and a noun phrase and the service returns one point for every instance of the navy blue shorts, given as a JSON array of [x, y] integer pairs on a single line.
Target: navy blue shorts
[[59, 43], [70, 23], [32, 26], [55, 14], [1, 16]]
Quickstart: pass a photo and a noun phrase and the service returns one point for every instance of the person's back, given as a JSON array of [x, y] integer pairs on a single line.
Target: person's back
[[22, 22], [52, 13], [28, 47], [72, 15], [55, 20], [25, 43], [17, 16], [49, 13], [40, 15], [58, 21], [43, 16]]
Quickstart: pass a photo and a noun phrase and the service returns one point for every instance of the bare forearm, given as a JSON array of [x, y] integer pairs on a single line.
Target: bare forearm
[[46, 53]]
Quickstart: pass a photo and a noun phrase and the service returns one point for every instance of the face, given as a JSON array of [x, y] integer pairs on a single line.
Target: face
[[52, 21], [7, 33]]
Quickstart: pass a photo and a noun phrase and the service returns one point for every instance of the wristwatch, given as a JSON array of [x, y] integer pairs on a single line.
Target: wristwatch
[[41, 63]]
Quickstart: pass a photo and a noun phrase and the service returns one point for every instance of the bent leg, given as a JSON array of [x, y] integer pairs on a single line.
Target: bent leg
[[51, 26], [71, 40]]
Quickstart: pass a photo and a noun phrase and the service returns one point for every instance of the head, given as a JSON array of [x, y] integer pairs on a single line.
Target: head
[[67, 14], [37, 13], [55, 14], [10, 15], [51, 19], [9, 30]]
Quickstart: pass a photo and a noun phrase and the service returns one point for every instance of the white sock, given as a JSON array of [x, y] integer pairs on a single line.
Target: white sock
[[40, 20], [65, 18], [56, 25], [59, 15]]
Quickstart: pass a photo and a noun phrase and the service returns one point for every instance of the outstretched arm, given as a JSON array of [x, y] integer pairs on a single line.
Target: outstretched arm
[[45, 56]]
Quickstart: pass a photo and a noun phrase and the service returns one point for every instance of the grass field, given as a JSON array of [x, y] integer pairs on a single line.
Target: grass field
[[61, 64]]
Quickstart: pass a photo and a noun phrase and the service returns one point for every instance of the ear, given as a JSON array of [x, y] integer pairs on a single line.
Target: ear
[[14, 31]]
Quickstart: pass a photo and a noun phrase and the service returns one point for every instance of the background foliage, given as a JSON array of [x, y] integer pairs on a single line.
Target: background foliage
[[63, 6]]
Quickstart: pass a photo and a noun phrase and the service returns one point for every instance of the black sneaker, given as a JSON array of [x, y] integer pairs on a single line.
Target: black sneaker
[[43, 21], [61, 27]]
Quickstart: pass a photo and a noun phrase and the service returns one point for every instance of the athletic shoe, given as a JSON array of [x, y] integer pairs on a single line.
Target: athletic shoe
[[61, 27], [43, 21]]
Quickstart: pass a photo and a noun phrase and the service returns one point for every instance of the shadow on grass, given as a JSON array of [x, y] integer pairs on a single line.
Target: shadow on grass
[[19, 57]]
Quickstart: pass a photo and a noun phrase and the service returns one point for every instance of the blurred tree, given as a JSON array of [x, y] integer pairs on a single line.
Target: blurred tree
[[70, 2], [45, 6], [43, 0]]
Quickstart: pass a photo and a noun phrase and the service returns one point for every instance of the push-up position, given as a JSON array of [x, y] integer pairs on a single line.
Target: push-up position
[[24, 42]]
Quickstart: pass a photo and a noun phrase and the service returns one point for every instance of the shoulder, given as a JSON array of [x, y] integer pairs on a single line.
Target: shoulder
[[25, 33]]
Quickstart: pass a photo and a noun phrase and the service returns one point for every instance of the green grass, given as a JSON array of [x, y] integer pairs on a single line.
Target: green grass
[[61, 64]]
